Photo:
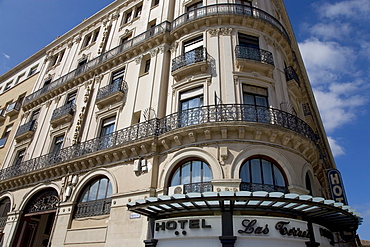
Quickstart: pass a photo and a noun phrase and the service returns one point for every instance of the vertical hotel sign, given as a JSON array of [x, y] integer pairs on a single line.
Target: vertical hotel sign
[[336, 186]]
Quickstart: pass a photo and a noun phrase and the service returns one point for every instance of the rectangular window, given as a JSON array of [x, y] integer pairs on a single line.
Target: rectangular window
[[190, 101], [193, 44], [106, 136], [147, 66], [155, 3], [128, 17], [248, 40], [33, 71], [117, 76], [139, 9], [192, 10], [47, 82], [35, 115], [19, 157], [58, 144], [81, 66], [107, 126], [8, 86], [71, 98], [255, 95], [20, 78], [91, 38], [125, 39], [5, 135]]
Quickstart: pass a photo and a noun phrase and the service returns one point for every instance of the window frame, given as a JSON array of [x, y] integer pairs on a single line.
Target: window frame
[[274, 166]]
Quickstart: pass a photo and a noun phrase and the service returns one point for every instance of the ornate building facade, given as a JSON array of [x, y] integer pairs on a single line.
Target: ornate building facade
[[169, 123]]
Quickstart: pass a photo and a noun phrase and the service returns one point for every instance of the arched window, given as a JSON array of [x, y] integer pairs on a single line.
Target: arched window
[[95, 198], [4, 210], [195, 175], [259, 174], [308, 184]]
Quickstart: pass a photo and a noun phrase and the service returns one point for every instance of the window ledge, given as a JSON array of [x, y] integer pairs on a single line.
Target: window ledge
[[88, 46], [144, 74]]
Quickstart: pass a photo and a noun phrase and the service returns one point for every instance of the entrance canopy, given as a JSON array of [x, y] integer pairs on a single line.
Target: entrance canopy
[[333, 215]]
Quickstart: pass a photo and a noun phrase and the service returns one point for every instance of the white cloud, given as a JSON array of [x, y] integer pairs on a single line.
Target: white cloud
[[6, 56], [350, 8], [335, 147], [334, 30]]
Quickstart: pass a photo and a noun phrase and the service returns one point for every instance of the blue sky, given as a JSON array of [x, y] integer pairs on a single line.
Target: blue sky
[[334, 38]]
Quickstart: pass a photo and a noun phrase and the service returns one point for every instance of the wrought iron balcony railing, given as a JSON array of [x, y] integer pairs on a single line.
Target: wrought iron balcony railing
[[290, 74], [30, 126], [63, 110], [262, 187], [192, 57], [3, 222], [251, 53], [93, 208], [161, 28], [157, 127], [119, 86], [198, 187], [228, 9]]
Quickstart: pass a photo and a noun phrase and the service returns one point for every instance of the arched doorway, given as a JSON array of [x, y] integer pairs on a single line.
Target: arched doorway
[[37, 221]]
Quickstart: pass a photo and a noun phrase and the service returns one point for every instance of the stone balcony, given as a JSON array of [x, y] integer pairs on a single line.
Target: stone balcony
[[111, 94], [190, 63], [13, 109], [197, 125], [63, 114], [250, 59], [26, 131]]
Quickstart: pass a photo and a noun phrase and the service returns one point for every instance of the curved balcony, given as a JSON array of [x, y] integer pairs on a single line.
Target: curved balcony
[[93, 208], [254, 59], [26, 131], [63, 114], [198, 187], [243, 114], [110, 94], [262, 187], [192, 62], [227, 10]]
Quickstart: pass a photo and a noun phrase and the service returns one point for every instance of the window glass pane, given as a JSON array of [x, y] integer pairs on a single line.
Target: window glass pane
[[248, 99], [185, 176], [196, 172], [93, 191], [176, 178], [207, 173], [256, 171], [85, 196], [267, 172], [109, 191], [102, 188], [261, 101], [245, 173], [279, 179]]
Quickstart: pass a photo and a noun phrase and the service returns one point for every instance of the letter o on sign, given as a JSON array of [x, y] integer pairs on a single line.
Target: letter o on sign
[[171, 225], [337, 190]]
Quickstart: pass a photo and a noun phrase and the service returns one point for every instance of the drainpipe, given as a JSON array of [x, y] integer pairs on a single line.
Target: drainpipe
[[151, 242], [227, 239]]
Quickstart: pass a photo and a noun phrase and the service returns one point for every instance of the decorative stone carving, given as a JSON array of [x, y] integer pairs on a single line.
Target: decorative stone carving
[[138, 59], [153, 52], [214, 32], [173, 47], [226, 31]]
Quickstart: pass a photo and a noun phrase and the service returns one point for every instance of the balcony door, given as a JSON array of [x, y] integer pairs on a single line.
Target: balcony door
[[190, 107], [106, 133], [193, 50]]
